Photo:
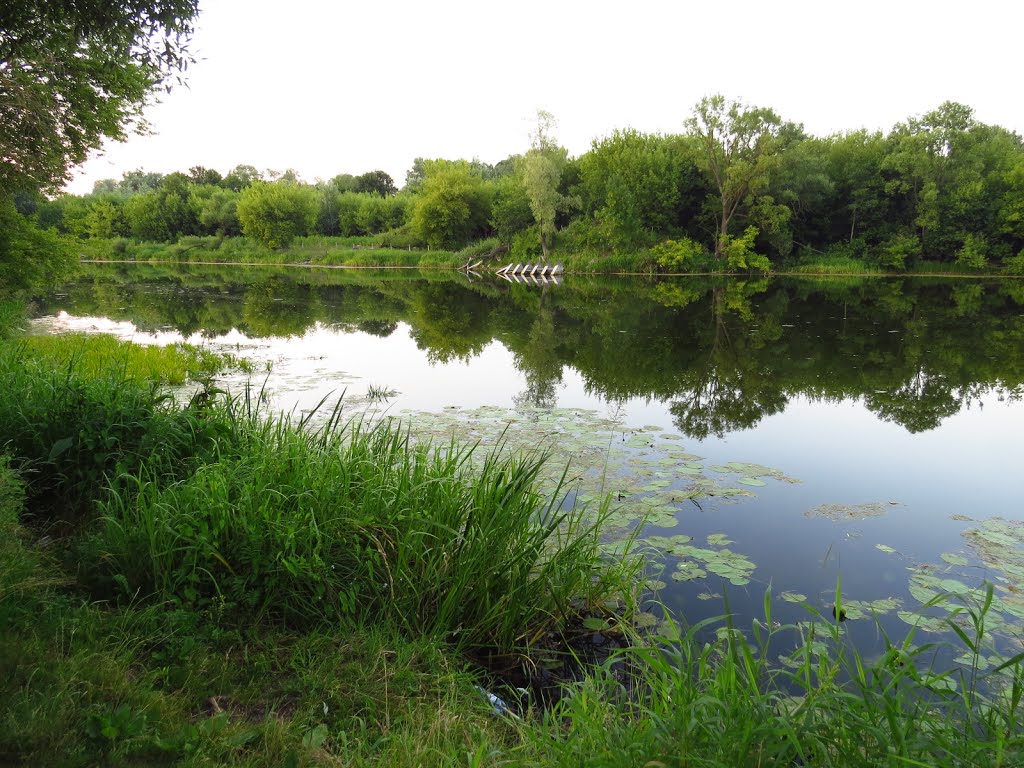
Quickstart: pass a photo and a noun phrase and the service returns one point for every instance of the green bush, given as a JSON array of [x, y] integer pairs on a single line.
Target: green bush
[[683, 254]]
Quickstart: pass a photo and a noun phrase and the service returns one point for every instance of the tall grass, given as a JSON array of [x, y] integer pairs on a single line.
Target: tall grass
[[73, 427], [834, 265], [742, 699], [353, 522], [94, 355]]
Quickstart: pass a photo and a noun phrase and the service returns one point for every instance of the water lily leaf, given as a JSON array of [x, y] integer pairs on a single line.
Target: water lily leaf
[[793, 597], [954, 587], [885, 548], [751, 481], [719, 540], [595, 623], [645, 620], [953, 559], [845, 512]]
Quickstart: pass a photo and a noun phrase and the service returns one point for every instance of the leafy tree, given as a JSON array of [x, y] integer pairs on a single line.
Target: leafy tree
[[276, 213], [75, 73], [375, 182], [373, 215], [240, 177], [30, 258], [541, 170], [510, 212], [134, 182], [348, 204], [327, 210], [641, 187], [200, 175], [453, 207], [738, 149], [344, 182], [145, 217], [219, 213], [104, 219]]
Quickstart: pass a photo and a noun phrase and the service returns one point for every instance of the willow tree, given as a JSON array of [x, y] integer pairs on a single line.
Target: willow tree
[[737, 147]]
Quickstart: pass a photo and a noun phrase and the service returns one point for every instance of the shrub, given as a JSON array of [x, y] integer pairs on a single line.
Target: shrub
[[275, 214]]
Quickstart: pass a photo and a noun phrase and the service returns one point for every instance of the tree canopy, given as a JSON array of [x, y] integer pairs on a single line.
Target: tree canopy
[[75, 73]]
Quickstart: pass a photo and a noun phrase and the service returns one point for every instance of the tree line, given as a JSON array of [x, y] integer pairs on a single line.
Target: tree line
[[738, 189]]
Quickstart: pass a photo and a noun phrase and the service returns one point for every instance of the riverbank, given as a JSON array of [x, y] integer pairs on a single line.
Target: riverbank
[[176, 562], [379, 252]]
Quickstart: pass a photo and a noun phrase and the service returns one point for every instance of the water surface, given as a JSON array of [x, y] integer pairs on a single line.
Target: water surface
[[853, 431]]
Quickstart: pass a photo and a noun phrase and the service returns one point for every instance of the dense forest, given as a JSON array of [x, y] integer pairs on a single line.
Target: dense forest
[[738, 189]]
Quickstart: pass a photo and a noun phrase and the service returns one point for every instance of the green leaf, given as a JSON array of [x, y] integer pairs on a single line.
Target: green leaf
[[315, 737], [60, 447]]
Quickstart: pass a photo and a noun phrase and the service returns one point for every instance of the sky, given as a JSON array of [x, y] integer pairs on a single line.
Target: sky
[[344, 87]]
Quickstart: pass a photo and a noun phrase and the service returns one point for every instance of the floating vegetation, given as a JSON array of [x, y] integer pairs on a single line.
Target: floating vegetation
[[953, 559], [862, 609], [886, 548], [647, 473], [841, 513], [793, 597], [752, 472]]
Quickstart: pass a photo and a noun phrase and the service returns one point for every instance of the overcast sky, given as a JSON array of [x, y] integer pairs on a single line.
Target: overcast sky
[[348, 87]]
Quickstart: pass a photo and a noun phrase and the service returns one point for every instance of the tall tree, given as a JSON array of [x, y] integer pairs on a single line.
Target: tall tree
[[738, 148], [541, 169]]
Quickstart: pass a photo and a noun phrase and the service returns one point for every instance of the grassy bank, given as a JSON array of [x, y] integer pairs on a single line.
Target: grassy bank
[[314, 250], [199, 584]]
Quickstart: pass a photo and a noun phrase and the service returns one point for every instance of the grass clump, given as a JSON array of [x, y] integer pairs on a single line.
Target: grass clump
[[349, 522]]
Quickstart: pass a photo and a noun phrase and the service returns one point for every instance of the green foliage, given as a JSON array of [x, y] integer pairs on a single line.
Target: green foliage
[[540, 170], [76, 74], [453, 207], [738, 149], [30, 259], [637, 186], [682, 254], [510, 213], [275, 214], [740, 700], [895, 251], [739, 252], [972, 254], [71, 432], [374, 183], [219, 213]]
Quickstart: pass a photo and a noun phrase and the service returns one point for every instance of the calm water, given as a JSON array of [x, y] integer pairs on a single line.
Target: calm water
[[895, 404]]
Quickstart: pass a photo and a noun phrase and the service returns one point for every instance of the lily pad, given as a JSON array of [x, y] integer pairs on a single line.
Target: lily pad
[[845, 512], [953, 559], [751, 481]]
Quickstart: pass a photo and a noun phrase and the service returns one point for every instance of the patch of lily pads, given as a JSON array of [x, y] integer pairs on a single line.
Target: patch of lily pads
[[647, 475], [841, 513]]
